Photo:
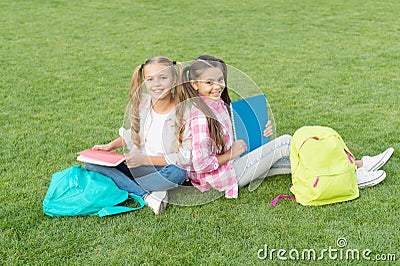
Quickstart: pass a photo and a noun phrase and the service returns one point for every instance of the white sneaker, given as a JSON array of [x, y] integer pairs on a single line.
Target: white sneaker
[[155, 201], [165, 201], [375, 162], [369, 179]]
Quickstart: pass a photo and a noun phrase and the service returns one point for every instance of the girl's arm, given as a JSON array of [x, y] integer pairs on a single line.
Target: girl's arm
[[238, 147], [115, 144], [204, 159], [134, 159], [157, 160]]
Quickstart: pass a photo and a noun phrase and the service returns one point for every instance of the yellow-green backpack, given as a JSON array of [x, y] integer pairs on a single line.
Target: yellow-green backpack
[[323, 168]]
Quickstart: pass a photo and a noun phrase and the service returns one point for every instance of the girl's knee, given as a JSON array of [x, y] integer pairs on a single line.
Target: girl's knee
[[174, 173], [286, 138], [90, 166], [283, 140]]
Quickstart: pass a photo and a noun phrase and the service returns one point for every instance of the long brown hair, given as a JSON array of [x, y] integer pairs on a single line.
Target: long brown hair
[[136, 91], [192, 73]]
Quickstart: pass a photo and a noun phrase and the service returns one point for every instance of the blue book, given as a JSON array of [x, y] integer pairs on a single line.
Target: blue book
[[250, 115]]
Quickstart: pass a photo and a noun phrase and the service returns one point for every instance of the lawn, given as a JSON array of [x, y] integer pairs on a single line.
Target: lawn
[[65, 69]]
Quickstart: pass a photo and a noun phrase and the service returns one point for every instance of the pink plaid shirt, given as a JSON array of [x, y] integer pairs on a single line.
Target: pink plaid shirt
[[205, 172]]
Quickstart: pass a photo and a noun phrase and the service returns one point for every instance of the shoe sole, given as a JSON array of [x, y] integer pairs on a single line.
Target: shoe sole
[[373, 182], [383, 161]]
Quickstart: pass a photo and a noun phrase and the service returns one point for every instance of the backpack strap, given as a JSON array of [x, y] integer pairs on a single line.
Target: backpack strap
[[111, 210], [281, 196]]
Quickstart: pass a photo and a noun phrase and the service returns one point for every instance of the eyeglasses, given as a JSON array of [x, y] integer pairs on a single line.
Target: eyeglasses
[[211, 83]]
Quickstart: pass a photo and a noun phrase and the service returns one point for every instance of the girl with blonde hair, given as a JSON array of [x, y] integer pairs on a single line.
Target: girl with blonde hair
[[157, 140]]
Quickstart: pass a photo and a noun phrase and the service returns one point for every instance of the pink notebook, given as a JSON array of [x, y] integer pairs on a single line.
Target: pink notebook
[[99, 157]]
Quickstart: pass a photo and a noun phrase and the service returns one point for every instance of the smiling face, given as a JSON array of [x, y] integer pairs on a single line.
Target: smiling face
[[210, 83], [159, 80]]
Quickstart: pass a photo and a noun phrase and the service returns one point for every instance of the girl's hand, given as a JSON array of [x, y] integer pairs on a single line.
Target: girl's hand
[[134, 159], [103, 147], [238, 147], [268, 132], [115, 144]]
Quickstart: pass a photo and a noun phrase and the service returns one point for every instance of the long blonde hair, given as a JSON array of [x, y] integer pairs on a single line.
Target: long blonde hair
[[136, 91], [192, 73]]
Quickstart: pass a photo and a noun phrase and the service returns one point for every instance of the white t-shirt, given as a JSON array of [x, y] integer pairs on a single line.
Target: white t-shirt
[[153, 141]]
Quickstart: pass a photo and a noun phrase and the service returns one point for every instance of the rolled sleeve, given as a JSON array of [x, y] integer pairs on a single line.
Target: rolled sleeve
[[178, 154], [126, 137], [185, 149]]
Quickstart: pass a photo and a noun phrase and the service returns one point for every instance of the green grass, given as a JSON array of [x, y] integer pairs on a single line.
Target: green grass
[[65, 68]]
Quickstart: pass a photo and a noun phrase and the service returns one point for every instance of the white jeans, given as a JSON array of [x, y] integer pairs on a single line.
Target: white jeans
[[267, 160]]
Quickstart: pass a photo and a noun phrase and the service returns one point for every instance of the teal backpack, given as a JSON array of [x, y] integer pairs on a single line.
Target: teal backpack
[[323, 168], [76, 191]]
